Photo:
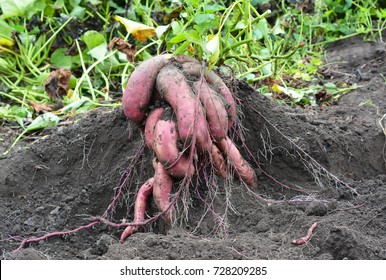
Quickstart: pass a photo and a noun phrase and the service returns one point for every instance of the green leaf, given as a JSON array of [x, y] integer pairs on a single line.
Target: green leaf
[[194, 37], [99, 51], [261, 30], [12, 8], [43, 121], [203, 18], [82, 102], [93, 39], [178, 39], [59, 59]]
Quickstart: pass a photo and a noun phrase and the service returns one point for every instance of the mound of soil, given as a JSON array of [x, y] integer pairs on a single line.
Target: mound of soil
[[324, 166]]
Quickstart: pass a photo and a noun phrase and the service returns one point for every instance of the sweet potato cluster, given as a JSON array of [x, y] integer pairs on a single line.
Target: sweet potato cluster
[[185, 112]]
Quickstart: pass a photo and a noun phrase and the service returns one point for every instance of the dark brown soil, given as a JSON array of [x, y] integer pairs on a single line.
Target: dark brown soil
[[333, 160]]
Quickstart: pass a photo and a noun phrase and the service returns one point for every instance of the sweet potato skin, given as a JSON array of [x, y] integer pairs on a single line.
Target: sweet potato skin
[[139, 88], [162, 188], [165, 146], [219, 162], [196, 70], [191, 122], [215, 112], [139, 208], [243, 170], [151, 122]]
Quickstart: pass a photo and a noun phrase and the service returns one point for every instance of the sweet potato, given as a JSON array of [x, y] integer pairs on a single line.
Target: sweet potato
[[140, 86], [165, 147], [151, 121], [191, 122], [219, 162], [243, 170], [215, 112], [162, 188], [139, 208], [195, 70]]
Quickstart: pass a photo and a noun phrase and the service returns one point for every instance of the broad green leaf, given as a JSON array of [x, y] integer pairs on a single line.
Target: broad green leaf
[[203, 18], [93, 39], [99, 51], [178, 39], [261, 30], [12, 8], [78, 12], [59, 59], [43, 121], [194, 37]]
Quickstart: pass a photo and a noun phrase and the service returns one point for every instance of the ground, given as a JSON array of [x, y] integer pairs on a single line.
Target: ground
[[325, 166]]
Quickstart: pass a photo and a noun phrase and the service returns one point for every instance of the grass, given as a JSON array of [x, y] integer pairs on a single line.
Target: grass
[[279, 49]]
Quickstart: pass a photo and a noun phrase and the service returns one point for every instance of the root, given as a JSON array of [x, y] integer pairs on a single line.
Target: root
[[313, 166], [306, 238]]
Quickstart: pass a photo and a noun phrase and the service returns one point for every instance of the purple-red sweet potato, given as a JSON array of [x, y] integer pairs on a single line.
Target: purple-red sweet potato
[[151, 122], [140, 87], [162, 188], [165, 146], [196, 70], [139, 208], [215, 112], [219, 163], [191, 122], [242, 168]]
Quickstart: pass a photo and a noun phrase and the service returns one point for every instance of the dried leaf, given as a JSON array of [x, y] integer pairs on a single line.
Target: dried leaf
[[57, 83], [140, 31], [173, 14], [124, 47], [40, 107]]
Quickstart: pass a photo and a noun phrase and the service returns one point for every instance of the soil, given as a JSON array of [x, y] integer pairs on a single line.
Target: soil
[[325, 166]]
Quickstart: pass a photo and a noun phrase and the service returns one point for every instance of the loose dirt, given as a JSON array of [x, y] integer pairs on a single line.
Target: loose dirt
[[325, 166]]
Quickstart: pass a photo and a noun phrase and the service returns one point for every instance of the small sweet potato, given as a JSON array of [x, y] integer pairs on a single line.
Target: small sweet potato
[[191, 122], [162, 189], [139, 208], [243, 170], [151, 121], [195, 70], [140, 87], [219, 163], [165, 146], [215, 112]]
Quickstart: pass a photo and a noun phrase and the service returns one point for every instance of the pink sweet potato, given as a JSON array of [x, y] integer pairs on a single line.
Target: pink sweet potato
[[165, 146], [243, 170], [195, 70], [191, 122], [139, 208], [216, 114], [219, 162], [151, 121], [162, 188], [140, 87]]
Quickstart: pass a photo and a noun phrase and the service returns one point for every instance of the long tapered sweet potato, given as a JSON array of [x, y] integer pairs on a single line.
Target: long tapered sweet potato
[[196, 70], [165, 146], [139, 88], [243, 170], [139, 208], [151, 121], [174, 89], [215, 112], [162, 188]]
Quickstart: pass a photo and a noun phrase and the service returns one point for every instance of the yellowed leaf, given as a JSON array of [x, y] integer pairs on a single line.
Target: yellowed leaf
[[140, 31], [5, 42]]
